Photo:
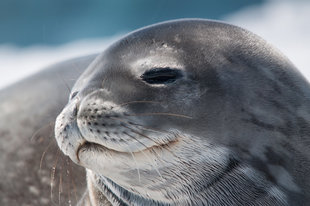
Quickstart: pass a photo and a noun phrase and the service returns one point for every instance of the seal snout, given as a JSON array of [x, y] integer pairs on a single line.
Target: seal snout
[[67, 132]]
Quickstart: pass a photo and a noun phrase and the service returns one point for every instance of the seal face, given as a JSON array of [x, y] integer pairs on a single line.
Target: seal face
[[190, 112]]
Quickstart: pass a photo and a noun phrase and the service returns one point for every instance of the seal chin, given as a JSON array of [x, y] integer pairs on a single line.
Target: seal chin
[[90, 147]]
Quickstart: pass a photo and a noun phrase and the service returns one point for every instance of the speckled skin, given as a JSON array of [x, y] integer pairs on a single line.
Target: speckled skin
[[234, 130]]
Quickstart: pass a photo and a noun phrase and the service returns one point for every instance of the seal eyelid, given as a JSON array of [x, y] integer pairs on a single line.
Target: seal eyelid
[[161, 75]]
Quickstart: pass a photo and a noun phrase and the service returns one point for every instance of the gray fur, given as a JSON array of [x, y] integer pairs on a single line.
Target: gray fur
[[242, 137], [246, 141]]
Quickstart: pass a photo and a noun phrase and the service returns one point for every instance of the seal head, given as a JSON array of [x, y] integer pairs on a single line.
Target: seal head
[[190, 112]]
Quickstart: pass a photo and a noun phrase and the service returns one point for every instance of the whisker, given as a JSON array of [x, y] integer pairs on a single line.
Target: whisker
[[135, 102], [156, 169], [149, 128], [53, 171], [161, 114], [71, 79], [144, 153], [118, 119], [160, 146], [39, 130], [69, 182], [143, 135], [165, 147], [157, 143], [44, 152], [64, 82], [134, 159], [153, 130], [73, 183], [60, 189], [135, 139]]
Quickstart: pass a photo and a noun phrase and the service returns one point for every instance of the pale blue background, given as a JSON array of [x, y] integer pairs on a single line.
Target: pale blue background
[[28, 22]]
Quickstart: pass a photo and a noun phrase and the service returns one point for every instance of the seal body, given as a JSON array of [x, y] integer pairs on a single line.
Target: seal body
[[190, 112], [27, 145]]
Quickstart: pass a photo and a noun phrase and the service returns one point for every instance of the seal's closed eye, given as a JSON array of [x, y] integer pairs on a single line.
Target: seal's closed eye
[[161, 75]]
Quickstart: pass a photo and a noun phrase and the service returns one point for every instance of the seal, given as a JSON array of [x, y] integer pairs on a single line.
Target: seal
[[190, 112], [27, 145]]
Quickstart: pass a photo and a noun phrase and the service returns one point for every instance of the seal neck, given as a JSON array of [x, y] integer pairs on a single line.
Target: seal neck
[[116, 194]]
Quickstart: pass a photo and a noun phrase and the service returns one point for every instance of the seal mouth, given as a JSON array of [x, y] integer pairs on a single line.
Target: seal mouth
[[87, 145]]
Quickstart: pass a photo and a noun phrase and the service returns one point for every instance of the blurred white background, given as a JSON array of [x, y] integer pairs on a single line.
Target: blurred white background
[[283, 23]]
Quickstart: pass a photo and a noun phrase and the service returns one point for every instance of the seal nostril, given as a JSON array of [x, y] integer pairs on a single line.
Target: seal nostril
[[74, 94]]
